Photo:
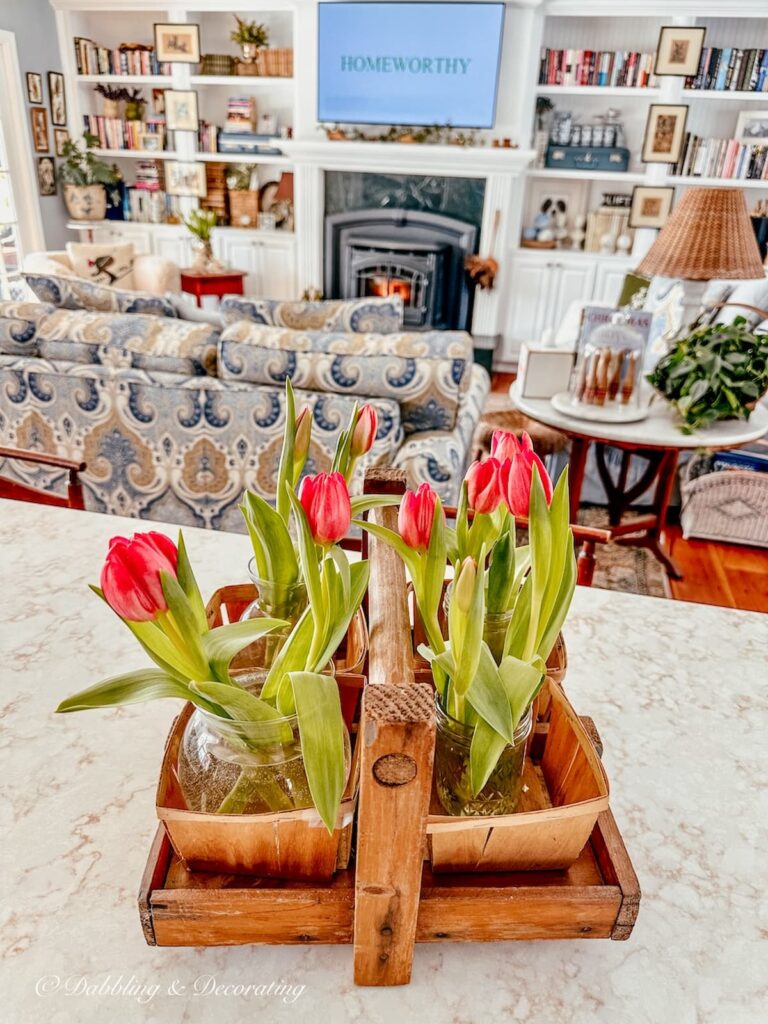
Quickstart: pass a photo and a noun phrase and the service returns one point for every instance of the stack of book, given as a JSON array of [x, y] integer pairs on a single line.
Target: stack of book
[[93, 59], [728, 69], [722, 158], [113, 133], [208, 138], [624, 68], [241, 114], [237, 134], [149, 175]]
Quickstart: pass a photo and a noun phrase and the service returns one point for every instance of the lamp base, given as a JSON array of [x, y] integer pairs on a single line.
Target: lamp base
[[693, 301]]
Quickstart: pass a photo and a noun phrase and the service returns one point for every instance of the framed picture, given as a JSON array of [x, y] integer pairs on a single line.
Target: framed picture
[[752, 127], [650, 206], [38, 117], [58, 101], [181, 110], [664, 133], [179, 44], [46, 176], [679, 50], [34, 87], [158, 101], [60, 138], [185, 179], [152, 142]]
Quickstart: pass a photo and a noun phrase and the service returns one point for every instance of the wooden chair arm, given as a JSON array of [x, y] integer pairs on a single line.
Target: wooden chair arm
[[43, 459]]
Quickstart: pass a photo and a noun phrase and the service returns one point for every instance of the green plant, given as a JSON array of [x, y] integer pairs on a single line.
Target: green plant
[[239, 178], [110, 92], [201, 223], [716, 373], [250, 33], [82, 167]]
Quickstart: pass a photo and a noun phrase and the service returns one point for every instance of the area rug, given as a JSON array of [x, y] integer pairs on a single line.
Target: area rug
[[617, 567]]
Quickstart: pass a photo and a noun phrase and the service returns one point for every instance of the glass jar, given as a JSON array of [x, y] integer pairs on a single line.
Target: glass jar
[[494, 627], [501, 792], [273, 601], [245, 767]]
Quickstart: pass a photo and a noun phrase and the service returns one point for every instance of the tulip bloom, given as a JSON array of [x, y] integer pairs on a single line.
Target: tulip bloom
[[302, 434], [484, 491], [518, 459], [364, 433], [130, 578], [414, 520], [325, 500]]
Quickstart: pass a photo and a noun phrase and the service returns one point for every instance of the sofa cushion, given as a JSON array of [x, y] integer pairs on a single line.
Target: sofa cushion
[[425, 372], [385, 316], [105, 263], [73, 293], [18, 327], [142, 342]]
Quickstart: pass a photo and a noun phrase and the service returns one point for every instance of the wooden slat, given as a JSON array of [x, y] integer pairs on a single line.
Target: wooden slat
[[397, 741], [152, 879], [614, 862], [390, 657]]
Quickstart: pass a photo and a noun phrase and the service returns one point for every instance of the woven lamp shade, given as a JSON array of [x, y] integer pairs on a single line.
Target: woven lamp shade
[[709, 235]]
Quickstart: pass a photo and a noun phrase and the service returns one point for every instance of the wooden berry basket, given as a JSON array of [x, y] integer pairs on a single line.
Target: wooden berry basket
[[388, 897]]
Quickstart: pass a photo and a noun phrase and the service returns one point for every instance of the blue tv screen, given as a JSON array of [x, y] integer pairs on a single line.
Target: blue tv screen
[[409, 63]]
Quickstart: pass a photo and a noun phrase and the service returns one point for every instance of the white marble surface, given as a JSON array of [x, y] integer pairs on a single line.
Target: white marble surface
[[660, 429], [678, 692]]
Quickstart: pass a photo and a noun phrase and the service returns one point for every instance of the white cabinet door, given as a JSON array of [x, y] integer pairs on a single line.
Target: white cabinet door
[[123, 232], [269, 263], [532, 281], [175, 246], [278, 271], [574, 282], [609, 280]]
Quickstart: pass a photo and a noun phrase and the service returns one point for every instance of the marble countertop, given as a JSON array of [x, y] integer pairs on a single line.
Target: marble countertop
[[678, 692]]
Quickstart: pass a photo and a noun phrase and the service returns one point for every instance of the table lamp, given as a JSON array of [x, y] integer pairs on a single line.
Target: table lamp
[[708, 236]]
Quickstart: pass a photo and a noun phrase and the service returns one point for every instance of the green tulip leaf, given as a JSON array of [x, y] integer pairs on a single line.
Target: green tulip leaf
[[484, 753], [272, 545], [220, 645], [133, 688], [292, 657], [488, 695], [285, 466], [522, 680], [184, 624], [365, 502], [188, 584], [308, 557], [321, 728], [242, 706]]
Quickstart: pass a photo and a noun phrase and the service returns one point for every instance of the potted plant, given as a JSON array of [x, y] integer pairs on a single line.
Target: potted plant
[[113, 95], [201, 223], [134, 104], [251, 37], [84, 176], [717, 373]]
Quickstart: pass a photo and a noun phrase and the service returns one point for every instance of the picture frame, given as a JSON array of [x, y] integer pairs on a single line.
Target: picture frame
[[664, 133], [185, 179], [152, 142], [181, 110], [57, 99], [177, 44], [38, 119], [60, 137], [34, 87], [651, 206], [46, 176], [752, 128], [679, 50]]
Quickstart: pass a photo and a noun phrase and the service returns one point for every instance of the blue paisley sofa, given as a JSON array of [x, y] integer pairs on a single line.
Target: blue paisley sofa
[[174, 419]]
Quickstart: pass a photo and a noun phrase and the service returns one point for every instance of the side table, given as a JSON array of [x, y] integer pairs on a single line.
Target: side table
[[657, 440], [229, 282]]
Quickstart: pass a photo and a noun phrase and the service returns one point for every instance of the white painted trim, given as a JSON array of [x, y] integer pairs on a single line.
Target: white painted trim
[[20, 162]]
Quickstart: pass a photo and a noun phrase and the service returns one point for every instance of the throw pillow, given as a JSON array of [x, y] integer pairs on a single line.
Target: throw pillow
[[103, 264], [72, 293]]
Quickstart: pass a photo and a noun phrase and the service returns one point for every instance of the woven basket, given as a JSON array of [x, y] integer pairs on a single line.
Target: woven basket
[[217, 64], [244, 209], [728, 505]]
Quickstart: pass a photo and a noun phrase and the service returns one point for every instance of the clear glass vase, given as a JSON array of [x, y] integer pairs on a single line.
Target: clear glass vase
[[494, 628], [273, 601], [245, 767], [501, 792]]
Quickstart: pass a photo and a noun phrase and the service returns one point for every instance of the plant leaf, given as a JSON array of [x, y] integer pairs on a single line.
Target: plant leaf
[[308, 557], [272, 544], [188, 584], [488, 695], [522, 681], [220, 645], [484, 752], [321, 728], [285, 466], [133, 688], [364, 502], [245, 707]]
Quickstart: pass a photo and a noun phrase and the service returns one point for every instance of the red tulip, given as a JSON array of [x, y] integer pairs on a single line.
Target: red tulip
[[364, 433], [325, 500], [517, 471], [484, 493], [130, 577], [414, 520]]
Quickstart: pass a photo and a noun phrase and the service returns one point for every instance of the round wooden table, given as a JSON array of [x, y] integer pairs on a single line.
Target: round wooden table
[[657, 440]]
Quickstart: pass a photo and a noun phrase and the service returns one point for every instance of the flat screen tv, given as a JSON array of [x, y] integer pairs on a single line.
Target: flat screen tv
[[409, 63]]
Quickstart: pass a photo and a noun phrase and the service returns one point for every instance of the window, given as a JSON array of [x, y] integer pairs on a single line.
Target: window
[[10, 258]]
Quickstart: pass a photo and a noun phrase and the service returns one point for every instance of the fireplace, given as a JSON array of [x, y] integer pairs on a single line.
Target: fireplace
[[412, 253]]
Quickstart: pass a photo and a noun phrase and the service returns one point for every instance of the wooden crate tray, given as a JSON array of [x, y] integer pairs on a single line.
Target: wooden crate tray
[[596, 898]]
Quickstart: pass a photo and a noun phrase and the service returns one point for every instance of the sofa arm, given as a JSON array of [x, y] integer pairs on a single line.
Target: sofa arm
[[440, 458], [155, 275]]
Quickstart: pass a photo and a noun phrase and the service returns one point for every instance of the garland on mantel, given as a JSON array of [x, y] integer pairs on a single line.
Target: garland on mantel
[[434, 135]]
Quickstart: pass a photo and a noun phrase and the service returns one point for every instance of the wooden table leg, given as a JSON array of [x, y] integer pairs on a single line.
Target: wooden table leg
[[576, 469]]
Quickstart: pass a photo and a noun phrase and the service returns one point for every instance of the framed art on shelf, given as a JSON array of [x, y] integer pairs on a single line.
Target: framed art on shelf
[[752, 128], [178, 44], [678, 50], [650, 206], [181, 110], [57, 98], [664, 133], [185, 179], [46, 176], [34, 87], [38, 117], [60, 138], [152, 142]]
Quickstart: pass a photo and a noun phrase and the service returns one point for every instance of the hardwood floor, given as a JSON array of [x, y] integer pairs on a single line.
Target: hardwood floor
[[728, 575]]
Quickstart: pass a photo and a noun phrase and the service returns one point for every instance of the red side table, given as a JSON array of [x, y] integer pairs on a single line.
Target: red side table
[[230, 282]]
